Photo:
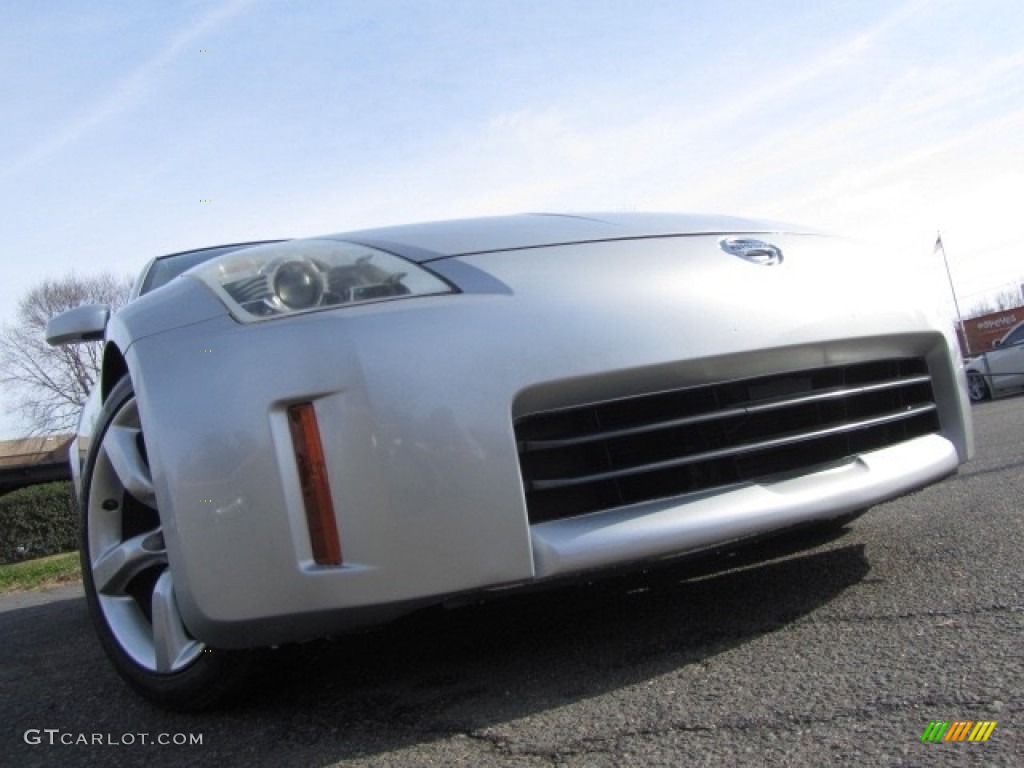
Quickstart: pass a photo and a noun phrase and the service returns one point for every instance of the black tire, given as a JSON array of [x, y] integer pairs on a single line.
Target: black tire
[[977, 387], [128, 583]]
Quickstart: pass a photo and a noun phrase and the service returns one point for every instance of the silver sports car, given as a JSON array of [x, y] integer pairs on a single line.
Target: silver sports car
[[293, 439]]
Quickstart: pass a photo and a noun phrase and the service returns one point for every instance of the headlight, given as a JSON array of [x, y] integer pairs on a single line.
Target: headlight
[[285, 278]]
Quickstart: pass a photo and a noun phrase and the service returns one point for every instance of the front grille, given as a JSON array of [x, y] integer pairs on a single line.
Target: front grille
[[604, 455]]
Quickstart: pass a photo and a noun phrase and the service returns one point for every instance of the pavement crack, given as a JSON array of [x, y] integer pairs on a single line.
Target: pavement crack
[[611, 743], [924, 614]]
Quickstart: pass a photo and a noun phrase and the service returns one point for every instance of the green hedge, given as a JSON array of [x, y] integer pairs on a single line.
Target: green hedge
[[36, 521]]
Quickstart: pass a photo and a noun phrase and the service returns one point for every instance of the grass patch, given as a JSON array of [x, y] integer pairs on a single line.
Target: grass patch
[[40, 572]]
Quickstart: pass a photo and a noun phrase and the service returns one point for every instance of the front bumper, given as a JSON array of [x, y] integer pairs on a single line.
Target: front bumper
[[416, 401]]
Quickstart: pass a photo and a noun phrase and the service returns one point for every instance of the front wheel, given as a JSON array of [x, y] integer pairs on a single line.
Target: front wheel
[[129, 587], [977, 387]]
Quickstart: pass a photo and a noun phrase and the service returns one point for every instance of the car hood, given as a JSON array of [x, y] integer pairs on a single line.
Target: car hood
[[438, 240]]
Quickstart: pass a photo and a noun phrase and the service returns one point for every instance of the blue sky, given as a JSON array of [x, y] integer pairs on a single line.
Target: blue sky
[[889, 120]]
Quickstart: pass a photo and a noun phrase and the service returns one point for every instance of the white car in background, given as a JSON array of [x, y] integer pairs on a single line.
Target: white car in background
[[1000, 370], [295, 439]]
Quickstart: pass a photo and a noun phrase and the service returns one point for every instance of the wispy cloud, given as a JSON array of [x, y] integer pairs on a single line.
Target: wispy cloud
[[127, 93], [592, 154]]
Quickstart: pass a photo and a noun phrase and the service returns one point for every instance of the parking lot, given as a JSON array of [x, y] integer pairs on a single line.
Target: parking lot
[[813, 650]]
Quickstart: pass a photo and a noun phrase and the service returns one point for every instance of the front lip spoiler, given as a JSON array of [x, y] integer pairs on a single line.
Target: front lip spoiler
[[672, 526], [749, 552]]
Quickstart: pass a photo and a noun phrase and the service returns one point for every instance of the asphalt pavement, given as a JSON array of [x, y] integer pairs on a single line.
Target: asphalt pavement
[[808, 651]]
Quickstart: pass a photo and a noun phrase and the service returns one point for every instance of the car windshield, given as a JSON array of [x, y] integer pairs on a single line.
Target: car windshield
[[167, 268], [1014, 337]]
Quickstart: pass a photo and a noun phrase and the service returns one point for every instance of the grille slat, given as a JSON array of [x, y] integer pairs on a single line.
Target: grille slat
[[541, 485], [539, 445], [604, 455]]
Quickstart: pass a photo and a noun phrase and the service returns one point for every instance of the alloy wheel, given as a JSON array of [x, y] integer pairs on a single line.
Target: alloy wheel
[[127, 556]]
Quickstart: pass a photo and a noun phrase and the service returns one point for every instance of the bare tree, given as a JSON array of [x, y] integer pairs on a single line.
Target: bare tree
[[48, 385], [1008, 298]]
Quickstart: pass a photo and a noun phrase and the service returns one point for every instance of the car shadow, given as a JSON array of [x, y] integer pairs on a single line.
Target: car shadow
[[439, 672]]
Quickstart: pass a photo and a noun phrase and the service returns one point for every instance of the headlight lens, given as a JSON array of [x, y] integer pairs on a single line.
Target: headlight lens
[[286, 278], [297, 284]]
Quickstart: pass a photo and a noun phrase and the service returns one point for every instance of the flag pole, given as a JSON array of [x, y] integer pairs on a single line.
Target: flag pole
[[949, 276]]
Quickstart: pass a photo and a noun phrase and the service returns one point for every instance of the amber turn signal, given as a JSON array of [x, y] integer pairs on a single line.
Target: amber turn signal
[[316, 491]]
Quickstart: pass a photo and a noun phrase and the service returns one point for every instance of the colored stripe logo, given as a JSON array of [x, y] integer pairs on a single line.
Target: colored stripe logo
[[958, 730]]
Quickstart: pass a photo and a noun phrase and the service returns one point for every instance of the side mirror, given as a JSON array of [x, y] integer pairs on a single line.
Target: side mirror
[[85, 323], [997, 343]]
